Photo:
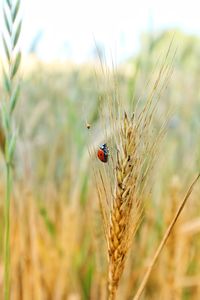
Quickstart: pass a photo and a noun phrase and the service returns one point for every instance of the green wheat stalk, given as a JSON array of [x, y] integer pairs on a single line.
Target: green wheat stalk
[[10, 39]]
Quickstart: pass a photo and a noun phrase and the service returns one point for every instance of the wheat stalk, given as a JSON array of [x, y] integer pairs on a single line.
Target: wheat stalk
[[10, 40], [164, 239]]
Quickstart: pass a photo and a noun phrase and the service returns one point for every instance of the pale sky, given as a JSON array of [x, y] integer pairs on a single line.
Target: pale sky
[[67, 29]]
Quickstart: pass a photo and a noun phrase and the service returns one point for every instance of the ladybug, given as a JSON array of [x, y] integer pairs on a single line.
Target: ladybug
[[103, 153]]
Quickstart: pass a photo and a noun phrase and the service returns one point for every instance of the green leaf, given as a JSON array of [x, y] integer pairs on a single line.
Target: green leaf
[[14, 98], [8, 25], [15, 10], [16, 65], [17, 33], [49, 224], [6, 81], [11, 147], [7, 22], [5, 117], [6, 49], [9, 2]]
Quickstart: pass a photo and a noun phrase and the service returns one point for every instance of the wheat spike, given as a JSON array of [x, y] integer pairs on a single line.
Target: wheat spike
[[122, 224], [8, 134], [122, 183]]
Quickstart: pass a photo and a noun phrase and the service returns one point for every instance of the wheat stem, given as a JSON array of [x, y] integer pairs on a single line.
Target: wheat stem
[[164, 240], [7, 234]]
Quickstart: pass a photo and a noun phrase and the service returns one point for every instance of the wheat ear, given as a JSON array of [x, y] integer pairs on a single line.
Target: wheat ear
[[121, 227], [122, 183], [10, 40]]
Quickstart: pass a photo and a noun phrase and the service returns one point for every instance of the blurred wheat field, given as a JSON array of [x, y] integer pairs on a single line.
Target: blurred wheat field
[[58, 249]]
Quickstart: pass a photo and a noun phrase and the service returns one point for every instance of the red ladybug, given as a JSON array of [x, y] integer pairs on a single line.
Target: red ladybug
[[103, 153]]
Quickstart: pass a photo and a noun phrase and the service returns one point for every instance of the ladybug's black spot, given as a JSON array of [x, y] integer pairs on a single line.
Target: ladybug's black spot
[[120, 185]]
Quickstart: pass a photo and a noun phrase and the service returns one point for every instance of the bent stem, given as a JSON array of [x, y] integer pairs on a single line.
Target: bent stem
[[164, 240]]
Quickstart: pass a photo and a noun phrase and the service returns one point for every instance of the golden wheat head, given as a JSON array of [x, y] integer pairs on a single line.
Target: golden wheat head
[[122, 183]]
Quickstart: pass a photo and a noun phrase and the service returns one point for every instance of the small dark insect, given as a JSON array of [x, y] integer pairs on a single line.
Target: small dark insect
[[103, 153], [88, 125]]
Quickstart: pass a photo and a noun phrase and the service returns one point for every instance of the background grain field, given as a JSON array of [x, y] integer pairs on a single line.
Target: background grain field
[[58, 250]]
